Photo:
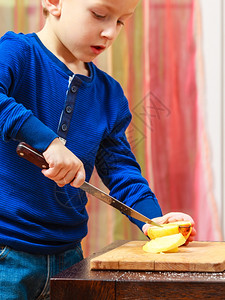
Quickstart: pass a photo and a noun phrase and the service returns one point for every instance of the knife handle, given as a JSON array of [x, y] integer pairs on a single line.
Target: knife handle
[[32, 155]]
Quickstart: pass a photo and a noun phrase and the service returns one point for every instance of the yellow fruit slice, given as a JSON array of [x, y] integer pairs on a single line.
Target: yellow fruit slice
[[166, 229], [185, 230], [169, 229], [165, 243], [174, 250]]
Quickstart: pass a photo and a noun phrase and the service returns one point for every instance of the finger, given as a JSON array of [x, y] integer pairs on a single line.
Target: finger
[[145, 228], [79, 178], [65, 179], [180, 218], [193, 232], [176, 216], [56, 174], [172, 217], [160, 220], [61, 183], [51, 173], [189, 240]]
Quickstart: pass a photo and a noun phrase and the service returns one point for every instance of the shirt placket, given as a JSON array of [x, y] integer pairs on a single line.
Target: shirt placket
[[67, 112]]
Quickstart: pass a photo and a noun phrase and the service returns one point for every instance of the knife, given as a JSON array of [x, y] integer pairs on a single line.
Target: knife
[[32, 155]]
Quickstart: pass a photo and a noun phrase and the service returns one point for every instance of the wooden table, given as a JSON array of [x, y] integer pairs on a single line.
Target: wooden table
[[80, 283]]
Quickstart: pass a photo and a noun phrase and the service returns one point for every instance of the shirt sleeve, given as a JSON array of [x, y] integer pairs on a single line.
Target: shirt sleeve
[[36, 134], [16, 121], [120, 172]]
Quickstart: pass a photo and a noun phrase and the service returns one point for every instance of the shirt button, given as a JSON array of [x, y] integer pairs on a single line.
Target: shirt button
[[73, 89], [64, 127], [68, 109]]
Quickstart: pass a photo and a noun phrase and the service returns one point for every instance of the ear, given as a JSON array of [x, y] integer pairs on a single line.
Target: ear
[[53, 7]]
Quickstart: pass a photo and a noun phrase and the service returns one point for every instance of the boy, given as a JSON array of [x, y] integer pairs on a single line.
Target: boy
[[56, 100]]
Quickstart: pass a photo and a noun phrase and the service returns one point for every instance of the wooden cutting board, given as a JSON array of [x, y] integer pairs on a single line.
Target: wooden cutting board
[[196, 257]]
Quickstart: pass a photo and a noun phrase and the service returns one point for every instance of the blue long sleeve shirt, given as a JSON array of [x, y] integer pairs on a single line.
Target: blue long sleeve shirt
[[41, 99]]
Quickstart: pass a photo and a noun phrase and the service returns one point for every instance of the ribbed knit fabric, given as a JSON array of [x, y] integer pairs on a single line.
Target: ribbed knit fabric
[[35, 214]]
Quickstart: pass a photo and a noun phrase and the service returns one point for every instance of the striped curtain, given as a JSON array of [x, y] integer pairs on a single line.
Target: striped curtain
[[158, 61], [179, 147]]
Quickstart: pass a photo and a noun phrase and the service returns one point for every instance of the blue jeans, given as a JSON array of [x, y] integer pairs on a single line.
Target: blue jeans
[[25, 276]]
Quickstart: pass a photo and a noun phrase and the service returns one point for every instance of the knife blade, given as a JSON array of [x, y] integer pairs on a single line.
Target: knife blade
[[32, 155]]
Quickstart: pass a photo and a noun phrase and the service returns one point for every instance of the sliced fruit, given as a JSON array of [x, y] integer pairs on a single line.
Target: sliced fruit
[[166, 229], [165, 243], [185, 230], [169, 229], [174, 250]]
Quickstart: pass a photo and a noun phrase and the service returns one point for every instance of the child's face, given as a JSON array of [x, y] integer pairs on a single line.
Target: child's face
[[87, 27]]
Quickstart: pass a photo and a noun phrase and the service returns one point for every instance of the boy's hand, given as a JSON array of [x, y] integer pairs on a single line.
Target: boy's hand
[[173, 217], [64, 166]]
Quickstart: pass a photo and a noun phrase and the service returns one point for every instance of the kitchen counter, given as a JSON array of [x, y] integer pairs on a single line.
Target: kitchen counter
[[81, 283]]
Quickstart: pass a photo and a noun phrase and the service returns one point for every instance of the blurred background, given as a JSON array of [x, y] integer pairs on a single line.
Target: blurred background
[[169, 59]]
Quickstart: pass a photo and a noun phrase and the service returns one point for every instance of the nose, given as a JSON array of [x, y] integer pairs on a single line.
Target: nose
[[110, 31]]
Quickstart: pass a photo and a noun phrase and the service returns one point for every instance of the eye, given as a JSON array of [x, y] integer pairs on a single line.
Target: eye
[[98, 16], [119, 22]]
